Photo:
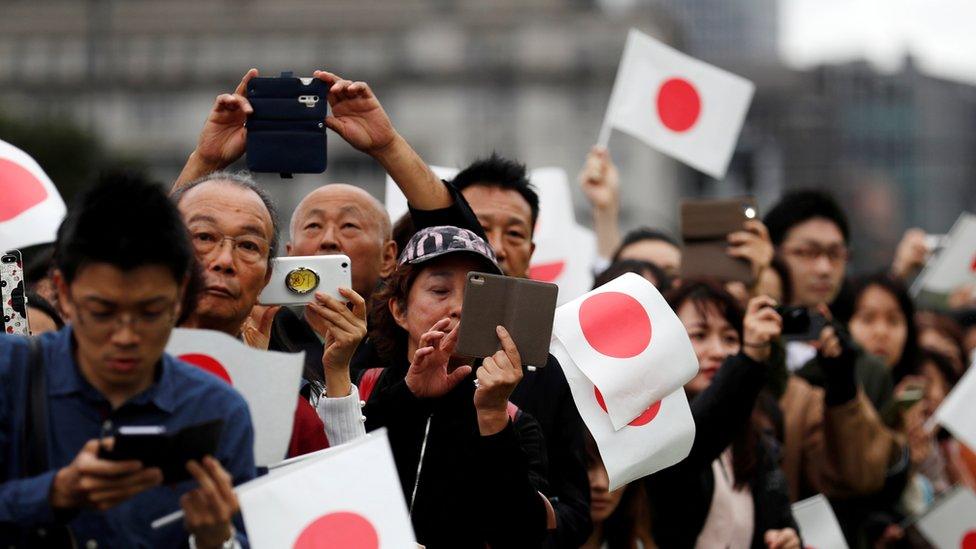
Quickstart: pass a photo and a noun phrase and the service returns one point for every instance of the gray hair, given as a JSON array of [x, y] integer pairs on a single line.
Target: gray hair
[[244, 180]]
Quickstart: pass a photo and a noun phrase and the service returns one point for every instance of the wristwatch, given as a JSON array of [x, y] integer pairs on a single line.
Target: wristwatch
[[229, 543]]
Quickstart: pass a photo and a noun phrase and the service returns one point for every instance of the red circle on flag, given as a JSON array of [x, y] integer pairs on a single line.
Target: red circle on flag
[[648, 416], [343, 529], [968, 540], [972, 266], [19, 188], [546, 272], [678, 104], [208, 363], [615, 324]]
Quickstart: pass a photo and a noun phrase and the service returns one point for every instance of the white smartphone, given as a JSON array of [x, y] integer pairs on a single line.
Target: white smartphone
[[294, 280]]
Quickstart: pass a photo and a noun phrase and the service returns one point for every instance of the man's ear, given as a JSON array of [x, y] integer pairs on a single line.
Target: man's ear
[[388, 258], [532, 250], [64, 300], [181, 296], [399, 313], [288, 248]]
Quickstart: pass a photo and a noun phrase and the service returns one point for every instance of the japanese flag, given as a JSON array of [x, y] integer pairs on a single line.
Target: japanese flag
[[317, 503], [659, 437], [564, 250], [818, 524], [951, 523], [268, 381], [955, 264], [677, 104], [956, 413], [396, 202], [30, 207], [628, 342]]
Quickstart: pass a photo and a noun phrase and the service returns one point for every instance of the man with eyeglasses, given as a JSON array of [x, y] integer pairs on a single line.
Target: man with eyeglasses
[[811, 234], [233, 226], [123, 262]]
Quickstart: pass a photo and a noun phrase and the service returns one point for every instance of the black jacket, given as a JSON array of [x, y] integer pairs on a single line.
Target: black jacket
[[681, 495], [472, 490], [545, 394]]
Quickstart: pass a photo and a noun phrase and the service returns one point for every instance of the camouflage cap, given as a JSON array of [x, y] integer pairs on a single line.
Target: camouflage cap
[[434, 242]]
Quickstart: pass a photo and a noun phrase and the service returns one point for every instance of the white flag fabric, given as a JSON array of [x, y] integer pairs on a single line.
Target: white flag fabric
[[660, 437], [396, 202], [268, 381], [317, 503], [957, 413], [951, 523], [629, 343], [677, 104], [819, 528], [955, 264], [564, 250], [30, 207]]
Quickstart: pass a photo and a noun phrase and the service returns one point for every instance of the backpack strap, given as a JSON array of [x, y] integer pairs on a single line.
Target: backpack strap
[[35, 429], [367, 382]]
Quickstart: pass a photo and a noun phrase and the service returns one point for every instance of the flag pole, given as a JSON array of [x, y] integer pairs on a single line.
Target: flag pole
[[604, 138]]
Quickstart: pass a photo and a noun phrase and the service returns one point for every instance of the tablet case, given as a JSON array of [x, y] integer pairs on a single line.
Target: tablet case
[[524, 307], [168, 451], [705, 225], [286, 131]]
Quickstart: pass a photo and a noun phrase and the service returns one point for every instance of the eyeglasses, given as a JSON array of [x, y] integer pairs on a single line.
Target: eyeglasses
[[141, 322], [834, 254], [247, 248]]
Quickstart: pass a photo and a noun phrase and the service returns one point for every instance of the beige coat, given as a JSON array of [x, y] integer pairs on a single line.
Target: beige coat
[[845, 452]]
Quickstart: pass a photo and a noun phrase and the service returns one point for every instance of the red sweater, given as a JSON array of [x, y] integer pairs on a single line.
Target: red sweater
[[307, 432]]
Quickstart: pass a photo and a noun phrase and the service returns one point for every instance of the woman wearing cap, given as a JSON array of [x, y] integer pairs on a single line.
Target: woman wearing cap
[[468, 463]]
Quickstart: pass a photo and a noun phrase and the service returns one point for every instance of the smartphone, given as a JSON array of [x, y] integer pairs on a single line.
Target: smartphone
[[12, 296], [154, 446], [294, 280], [799, 324], [909, 397], [286, 131], [525, 308], [705, 226]]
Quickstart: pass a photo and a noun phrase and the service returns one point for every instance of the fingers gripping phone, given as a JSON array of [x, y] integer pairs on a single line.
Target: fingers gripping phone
[[294, 280], [705, 226], [154, 446], [524, 307], [13, 316]]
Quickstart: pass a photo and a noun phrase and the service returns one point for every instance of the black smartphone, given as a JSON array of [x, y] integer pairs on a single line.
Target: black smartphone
[[799, 324], [154, 446], [286, 131], [705, 226]]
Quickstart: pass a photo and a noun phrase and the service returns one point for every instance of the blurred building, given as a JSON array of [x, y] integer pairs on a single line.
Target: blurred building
[[528, 78]]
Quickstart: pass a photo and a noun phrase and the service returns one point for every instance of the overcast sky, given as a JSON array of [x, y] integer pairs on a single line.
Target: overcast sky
[[940, 34]]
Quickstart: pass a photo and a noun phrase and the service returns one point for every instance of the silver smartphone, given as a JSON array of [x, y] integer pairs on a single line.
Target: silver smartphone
[[13, 319], [294, 280]]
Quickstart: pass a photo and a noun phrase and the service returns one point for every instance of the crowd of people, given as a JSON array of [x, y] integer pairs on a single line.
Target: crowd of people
[[491, 453]]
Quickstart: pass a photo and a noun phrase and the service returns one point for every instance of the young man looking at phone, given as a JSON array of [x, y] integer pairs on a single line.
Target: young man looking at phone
[[123, 261]]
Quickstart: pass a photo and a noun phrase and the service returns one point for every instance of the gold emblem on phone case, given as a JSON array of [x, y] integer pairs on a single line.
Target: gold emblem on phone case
[[301, 280]]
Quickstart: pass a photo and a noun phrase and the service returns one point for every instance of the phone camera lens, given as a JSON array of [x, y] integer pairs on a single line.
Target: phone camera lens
[[344, 265]]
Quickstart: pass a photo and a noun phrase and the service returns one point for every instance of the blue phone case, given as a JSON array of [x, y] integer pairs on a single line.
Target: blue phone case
[[286, 131]]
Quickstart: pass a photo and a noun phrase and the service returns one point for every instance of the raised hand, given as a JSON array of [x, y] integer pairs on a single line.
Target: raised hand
[[357, 115], [787, 538], [343, 329], [223, 137], [497, 378], [761, 325], [428, 375], [752, 244], [911, 254], [256, 330], [599, 180]]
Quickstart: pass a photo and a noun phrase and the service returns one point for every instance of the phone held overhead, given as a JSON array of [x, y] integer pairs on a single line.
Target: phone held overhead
[[705, 226], [286, 131]]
